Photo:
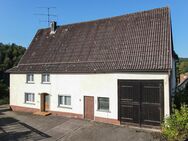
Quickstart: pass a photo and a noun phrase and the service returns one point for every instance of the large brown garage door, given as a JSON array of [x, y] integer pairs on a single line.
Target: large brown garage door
[[140, 102]]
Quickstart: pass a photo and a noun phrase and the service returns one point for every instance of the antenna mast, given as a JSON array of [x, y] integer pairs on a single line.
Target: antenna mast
[[48, 14]]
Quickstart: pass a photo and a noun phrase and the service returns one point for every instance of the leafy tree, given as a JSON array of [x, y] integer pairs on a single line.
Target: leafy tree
[[183, 65], [10, 55]]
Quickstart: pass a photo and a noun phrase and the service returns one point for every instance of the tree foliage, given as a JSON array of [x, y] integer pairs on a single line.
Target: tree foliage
[[10, 55], [181, 97], [183, 65]]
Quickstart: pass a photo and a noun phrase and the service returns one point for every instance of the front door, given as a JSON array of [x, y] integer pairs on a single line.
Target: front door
[[44, 102], [89, 107], [47, 101]]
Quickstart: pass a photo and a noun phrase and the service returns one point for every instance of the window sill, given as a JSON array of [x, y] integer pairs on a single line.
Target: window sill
[[30, 103], [30, 82], [45, 83], [64, 106], [106, 111]]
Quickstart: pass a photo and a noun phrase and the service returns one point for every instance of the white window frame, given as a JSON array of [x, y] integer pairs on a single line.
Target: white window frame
[[26, 98], [45, 78], [30, 78], [103, 110], [64, 105]]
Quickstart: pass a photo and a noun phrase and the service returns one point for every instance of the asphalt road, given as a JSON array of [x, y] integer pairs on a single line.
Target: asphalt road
[[20, 126]]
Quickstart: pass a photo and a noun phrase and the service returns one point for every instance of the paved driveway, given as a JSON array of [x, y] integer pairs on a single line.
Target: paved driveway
[[18, 126]]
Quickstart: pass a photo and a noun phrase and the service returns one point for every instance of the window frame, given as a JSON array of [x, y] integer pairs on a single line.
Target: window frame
[[100, 109], [63, 105], [28, 77], [47, 78], [26, 98]]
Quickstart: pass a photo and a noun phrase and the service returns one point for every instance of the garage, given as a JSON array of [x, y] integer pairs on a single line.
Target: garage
[[140, 102]]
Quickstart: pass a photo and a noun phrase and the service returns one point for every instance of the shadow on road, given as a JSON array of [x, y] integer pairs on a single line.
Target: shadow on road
[[12, 129]]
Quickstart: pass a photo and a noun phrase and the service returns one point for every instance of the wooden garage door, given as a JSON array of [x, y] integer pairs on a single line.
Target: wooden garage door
[[140, 102]]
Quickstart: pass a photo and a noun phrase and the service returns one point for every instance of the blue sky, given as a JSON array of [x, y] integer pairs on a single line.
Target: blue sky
[[19, 23]]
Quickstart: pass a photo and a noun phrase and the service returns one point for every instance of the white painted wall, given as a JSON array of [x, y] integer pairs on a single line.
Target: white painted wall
[[78, 86]]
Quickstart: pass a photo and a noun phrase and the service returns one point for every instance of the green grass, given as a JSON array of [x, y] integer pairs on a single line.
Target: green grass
[[4, 100]]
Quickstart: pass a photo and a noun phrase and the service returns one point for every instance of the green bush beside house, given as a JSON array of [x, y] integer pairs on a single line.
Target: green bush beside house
[[175, 127]]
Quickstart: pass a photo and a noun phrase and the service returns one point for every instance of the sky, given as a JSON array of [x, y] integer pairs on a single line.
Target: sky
[[19, 21]]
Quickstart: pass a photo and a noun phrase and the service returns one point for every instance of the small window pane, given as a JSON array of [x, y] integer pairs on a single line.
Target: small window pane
[[60, 100], [103, 103], [67, 100], [48, 78]]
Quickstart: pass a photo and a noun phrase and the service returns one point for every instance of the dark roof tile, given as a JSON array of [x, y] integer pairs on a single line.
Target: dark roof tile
[[133, 42]]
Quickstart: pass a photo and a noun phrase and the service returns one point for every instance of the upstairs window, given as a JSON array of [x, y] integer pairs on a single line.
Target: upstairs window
[[45, 78], [29, 97], [30, 78]]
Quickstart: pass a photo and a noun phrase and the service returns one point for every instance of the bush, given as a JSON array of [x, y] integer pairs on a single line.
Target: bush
[[4, 100], [3, 90], [181, 98], [175, 127]]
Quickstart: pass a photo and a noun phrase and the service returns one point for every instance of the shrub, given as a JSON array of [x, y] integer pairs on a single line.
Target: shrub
[[180, 98], [3, 90], [175, 127], [4, 100]]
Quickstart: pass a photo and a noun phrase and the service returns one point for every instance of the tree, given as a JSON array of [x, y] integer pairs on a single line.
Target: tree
[[10, 55], [183, 65]]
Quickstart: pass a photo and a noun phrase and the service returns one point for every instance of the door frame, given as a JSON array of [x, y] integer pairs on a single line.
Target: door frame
[[161, 101], [43, 101], [93, 107]]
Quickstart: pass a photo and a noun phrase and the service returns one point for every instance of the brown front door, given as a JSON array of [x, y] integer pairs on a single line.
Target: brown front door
[[89, 107], [47, 102], [44, 102]]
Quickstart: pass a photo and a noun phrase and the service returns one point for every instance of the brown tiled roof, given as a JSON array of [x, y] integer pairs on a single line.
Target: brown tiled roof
[[133, 42]]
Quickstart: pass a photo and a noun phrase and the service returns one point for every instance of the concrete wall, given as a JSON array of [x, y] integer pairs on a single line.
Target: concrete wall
[[78, 86]]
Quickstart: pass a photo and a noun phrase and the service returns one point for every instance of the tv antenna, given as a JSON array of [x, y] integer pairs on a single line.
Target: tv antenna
[[48, 14]]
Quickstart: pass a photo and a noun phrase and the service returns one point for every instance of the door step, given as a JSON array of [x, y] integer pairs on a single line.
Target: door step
[[42, 113]]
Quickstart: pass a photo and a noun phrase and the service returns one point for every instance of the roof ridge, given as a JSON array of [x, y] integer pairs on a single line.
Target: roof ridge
[[113, 17]]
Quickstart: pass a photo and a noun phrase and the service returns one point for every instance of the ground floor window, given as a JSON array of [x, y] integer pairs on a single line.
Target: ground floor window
[[29, 97], [103, 103], [64, 100]]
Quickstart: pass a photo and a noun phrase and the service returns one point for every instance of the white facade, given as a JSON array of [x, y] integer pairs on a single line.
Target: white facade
[[77, 86]]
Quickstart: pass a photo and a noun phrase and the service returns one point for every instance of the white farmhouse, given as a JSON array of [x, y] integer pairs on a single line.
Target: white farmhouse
[[119, 70]]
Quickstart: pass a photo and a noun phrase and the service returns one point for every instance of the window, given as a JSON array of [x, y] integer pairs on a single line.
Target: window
[[29, 97], [103, 103], [45, 78], [64, 100], [30, 78]]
